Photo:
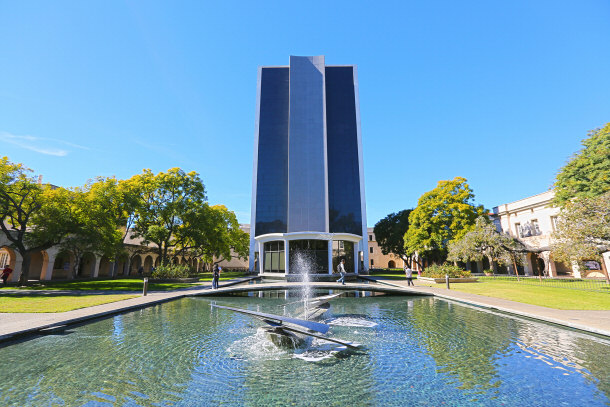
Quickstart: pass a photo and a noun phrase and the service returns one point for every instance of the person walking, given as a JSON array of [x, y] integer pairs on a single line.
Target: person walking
[[409, 274], [341, 270], [215, 276], [6, 273]]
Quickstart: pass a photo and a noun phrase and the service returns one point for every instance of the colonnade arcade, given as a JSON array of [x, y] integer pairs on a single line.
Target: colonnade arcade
[[57, 264]]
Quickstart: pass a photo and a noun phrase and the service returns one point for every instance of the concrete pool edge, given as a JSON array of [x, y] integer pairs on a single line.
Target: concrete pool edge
[[33, 324]]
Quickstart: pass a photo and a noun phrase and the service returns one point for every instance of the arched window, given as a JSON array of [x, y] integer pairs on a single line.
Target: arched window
[[391, 264]]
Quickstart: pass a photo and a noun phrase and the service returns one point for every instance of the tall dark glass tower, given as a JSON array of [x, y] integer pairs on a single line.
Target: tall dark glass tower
[[308, 185]]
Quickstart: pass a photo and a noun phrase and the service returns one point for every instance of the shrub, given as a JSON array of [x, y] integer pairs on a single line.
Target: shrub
[[439, 271], [171, 271]]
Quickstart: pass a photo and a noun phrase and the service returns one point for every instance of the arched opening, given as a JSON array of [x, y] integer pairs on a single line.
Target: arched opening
[[8, 258], [136, 262], [157, 261], [539, 266], [148, 264], [86, 266], [486, 265], [176, 260], [474, 268], [105, 267], [62, 267], [391, 264]]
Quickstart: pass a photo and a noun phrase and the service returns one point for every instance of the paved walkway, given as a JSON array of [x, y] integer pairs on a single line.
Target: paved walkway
[[16, 324]]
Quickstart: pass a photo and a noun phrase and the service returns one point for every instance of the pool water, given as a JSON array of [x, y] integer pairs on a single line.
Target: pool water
[[417, 351]]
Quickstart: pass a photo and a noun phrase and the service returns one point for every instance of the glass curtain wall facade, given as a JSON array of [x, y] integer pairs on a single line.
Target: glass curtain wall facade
[[315, 251], [343, 249], [274, 257], [345, 215], [308, 177]]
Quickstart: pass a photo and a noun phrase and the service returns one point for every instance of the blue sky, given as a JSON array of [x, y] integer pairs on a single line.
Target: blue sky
[[498, 92]]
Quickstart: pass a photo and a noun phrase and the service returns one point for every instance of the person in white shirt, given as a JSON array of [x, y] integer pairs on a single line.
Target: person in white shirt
[[341, 270], [409, 274]]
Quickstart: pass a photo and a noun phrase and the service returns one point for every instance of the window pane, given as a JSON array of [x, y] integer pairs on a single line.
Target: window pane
[[275, 261], [267, 261]]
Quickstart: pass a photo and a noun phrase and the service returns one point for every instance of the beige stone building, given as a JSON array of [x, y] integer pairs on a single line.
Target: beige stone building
[[378, 260], [533, 220], [57, 264]]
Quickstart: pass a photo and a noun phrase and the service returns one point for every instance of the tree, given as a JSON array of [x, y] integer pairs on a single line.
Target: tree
[[485, 240], [390, 232], [28, 217], [443, 214], [219, 236], [587, 174], [583, 231], [165, 201], [99, 219]]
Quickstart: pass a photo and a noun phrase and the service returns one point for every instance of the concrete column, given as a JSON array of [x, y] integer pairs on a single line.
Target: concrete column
[[606, 260], [287, 255], [480, 266], [576, 270], [47, 265], [356, 259], [16, 264], [330, 256], [549, 264], [96, 267], [261, 257]]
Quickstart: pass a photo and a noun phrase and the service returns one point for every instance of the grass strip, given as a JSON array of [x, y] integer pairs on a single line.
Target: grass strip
[[55, 303], [551, 297], [127, 284], [121, 284]]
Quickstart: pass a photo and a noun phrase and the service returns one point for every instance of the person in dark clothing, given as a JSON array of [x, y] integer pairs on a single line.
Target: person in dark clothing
[[6, 273], [215, 276]]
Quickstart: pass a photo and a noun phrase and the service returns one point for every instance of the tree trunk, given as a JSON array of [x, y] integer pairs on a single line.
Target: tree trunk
[[604, 269], [77, 261], [515, 266], [25, 268], [491, 264]]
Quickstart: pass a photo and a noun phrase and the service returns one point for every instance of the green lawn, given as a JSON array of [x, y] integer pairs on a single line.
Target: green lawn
[[54, 303], [121, 284], [551, 297], [391, 274]]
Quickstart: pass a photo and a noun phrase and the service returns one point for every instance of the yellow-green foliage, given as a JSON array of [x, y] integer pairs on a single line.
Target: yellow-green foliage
[[443, 214], [587, 174]]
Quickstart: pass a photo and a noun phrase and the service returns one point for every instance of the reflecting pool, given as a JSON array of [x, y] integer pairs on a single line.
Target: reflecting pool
[[417, 351]]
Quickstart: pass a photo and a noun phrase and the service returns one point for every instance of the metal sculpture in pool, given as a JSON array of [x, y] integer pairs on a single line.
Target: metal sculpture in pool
[[291, 332]]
